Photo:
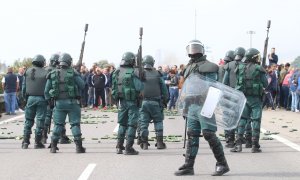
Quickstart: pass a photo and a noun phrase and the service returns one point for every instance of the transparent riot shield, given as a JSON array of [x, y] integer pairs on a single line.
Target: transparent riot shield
[[216, 103]]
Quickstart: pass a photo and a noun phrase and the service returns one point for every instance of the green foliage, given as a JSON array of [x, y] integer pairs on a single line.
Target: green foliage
[[103, 63], [26, 62], [296, 62]]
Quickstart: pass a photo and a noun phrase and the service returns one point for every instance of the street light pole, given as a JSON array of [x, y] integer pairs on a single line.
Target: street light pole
[[250, 33]]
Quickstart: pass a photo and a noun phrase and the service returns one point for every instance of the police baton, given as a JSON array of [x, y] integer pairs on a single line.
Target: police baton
[[185, 128]]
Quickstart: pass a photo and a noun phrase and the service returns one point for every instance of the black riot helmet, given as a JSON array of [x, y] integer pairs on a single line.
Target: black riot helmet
[[54, 59], [128, 59], [195, 47], [229, 56], [65, 60], [39, 60], [252, 55], [148, 62], [239, 53]]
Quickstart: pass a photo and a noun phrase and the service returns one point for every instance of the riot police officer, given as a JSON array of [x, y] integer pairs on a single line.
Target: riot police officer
[[62, 90], [229, 56], [251, 80], [231, 80], [127, 88], [64, 138], [36, 106], [155, 95], [196, 122]]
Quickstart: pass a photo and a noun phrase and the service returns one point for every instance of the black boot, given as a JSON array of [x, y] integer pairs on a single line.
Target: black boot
[[248, 138], [188, 167], [53, 146], [38, 142], [79, 148], [120, 146], [160, 144], [231, 138], [64, 138], [221, 168], [25, 142], [255, 146], [238, 146], [129, 150], [138, 140], [45, 135], [217, 149], [144, 145]]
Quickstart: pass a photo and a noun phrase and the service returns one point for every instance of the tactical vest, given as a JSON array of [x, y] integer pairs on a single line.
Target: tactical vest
[[230, 68], [125, 86], [248, 79], [152, 85], [35, 81], [201, 67], [63, 84]]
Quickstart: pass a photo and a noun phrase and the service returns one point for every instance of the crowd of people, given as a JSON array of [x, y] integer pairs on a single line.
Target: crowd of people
[[283, 91], [64, 90], [98, 83]]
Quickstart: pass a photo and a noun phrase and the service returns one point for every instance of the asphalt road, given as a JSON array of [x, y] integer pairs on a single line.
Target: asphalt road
[[280, 158]]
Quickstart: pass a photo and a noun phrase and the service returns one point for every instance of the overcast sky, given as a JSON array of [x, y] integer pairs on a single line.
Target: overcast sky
[[30, 27]]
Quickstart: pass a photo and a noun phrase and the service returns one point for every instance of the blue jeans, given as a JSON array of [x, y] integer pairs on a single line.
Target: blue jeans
[[295, 101], [285, 94], [174, 92], [91, 95], [10, 102]]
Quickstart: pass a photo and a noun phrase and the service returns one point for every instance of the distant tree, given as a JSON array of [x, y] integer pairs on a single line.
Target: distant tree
[[296, 62], [3, 68], [26, 62]]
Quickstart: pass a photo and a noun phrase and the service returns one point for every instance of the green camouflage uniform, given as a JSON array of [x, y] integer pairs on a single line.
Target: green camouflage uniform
[[126, 88], [251, 81], [63, 85]]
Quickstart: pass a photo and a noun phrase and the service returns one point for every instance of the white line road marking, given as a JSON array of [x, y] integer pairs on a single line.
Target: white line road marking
[[284, 141], [87, 172], [12, 119], [116, 129]]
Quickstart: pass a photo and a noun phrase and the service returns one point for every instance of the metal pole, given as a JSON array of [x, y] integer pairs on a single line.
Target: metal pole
[[250, 33], [195, 24]]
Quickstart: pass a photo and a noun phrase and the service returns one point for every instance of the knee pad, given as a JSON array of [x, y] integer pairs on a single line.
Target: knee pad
[[192, 133]]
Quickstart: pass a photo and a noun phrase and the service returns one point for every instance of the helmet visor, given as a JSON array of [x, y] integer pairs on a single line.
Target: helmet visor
[[195, 48], [228, 59], [238, 57], [62, 63]]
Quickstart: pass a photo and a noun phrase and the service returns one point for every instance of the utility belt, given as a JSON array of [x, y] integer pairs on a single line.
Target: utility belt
[[157, 99], [72, 100]]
